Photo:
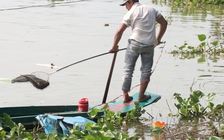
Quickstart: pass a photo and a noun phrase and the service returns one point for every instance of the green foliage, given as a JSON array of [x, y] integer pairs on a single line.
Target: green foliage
[[210, 138], [192, 107], [110, 117], [135, 113], [109, 127], [214, 138], [199, 117], [205, 47], [197, 2], [6, 119], [202, 37], [17, 131]]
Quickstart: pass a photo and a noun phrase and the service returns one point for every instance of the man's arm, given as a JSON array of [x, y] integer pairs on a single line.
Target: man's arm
[[117, 37], [163, 26]]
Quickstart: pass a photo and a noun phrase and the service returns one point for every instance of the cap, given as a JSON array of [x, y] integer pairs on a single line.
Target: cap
[[123, 3]]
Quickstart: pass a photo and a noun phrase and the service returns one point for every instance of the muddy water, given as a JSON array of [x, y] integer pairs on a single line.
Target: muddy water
[[35, 34]]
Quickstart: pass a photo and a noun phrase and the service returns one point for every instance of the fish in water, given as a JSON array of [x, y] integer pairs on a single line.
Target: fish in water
[[37, 82]]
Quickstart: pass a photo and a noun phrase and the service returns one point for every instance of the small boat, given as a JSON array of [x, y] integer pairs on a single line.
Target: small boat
[[26, 114]]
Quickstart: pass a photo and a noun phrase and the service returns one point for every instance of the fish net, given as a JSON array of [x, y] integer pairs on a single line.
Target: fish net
[[40, 80]]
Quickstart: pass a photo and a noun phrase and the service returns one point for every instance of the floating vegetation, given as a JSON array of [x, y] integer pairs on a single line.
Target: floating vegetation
[[205, 49], [190, 131], [192, 2], [194, 120]]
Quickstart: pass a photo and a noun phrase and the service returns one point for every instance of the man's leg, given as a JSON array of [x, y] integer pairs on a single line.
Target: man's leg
[[142, 97], [131, 57], [147, 54]]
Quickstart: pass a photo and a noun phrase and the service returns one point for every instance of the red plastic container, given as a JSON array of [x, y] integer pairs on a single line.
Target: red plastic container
[[83, 105]]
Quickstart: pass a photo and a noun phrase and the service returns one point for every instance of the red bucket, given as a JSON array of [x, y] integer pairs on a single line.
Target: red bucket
[[83, 105]]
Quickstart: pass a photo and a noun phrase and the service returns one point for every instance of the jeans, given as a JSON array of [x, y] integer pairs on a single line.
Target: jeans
[[134, 49]]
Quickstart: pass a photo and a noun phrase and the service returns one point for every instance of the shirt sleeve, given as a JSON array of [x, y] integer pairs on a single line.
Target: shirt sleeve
[[158, 14], [126, 19]]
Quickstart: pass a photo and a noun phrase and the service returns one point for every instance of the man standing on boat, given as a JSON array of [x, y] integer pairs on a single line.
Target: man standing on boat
[[142, 19]]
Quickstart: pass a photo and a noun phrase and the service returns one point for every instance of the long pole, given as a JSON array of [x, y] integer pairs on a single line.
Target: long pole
[[84, 60], [109, 79]]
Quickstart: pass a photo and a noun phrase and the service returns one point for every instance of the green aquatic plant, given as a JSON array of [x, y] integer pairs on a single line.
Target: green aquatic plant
[[205, 49], [17, 131], [108, 127], [192, 107], [196, 2], [198, 118]]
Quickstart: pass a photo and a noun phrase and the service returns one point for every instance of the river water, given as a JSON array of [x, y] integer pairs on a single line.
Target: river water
[[35, 34]]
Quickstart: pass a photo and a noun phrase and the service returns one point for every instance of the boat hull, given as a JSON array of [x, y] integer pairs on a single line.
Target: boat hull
[[26, 115]]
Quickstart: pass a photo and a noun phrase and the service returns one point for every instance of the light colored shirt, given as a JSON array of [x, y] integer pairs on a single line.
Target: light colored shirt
[[142, 19]]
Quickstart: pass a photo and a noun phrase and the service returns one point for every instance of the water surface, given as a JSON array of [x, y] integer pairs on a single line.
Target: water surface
[[45, 33]]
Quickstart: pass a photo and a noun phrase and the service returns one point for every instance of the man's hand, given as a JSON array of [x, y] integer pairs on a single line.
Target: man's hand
[[114, 49]]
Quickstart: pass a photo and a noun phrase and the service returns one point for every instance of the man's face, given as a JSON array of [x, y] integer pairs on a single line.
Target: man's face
[[128, 5]]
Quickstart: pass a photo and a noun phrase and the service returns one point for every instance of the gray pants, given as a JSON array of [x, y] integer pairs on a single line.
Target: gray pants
[[134, 49]]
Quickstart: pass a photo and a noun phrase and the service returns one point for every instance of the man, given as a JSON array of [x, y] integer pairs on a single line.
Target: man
[[142, 19]]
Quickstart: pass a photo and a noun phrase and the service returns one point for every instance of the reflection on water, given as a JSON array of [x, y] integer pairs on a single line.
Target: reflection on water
[[212, 14], [206, 20], [65, 33], [35, 34]]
